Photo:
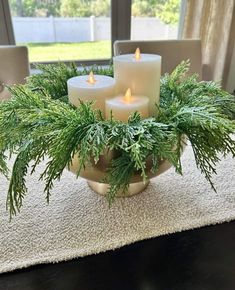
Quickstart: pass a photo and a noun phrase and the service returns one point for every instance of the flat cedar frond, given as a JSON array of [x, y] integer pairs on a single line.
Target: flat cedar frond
[[3, 165], [119, 175], [39, 122]]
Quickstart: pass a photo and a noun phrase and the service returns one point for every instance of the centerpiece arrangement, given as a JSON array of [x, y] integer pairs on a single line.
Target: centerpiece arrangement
[[88, 122], [113, 97]]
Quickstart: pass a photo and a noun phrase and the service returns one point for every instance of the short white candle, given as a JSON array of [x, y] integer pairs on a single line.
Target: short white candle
[[91, 88], [123, 106], [140, 72]]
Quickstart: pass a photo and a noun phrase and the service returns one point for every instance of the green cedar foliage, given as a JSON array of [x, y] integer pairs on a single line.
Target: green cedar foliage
[[38, 122]]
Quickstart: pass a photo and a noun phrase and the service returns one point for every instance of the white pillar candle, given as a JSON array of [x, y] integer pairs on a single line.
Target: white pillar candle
[[140, 72], [123, 106], [91, 88]]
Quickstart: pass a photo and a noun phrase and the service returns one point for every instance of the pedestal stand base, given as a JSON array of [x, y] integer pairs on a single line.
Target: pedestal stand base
[[102, 188]]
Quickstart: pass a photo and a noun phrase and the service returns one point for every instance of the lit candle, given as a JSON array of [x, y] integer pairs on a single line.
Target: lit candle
[[91, 88], [123, 106], [140, 72]]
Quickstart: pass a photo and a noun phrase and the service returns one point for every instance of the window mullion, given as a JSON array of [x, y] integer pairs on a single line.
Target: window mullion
[[6, 29], [120, 20]]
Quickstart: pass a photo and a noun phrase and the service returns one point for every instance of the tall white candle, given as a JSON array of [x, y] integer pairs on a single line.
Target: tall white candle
[[123, 106], [140, 72], [91, 88]]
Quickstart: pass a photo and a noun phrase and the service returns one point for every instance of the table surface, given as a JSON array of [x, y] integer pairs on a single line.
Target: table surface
[[200, 259]]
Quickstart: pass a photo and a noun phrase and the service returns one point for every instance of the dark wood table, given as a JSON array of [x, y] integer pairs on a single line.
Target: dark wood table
[[201, 259]]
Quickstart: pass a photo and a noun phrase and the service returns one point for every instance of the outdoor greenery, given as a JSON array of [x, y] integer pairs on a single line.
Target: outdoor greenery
[[69, 51], [81, 8], [35, 8], [166, 10], [38, 122]]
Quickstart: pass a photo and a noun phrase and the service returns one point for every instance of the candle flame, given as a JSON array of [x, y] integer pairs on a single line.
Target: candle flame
[[137, 54], [91, 78], [127, 97]]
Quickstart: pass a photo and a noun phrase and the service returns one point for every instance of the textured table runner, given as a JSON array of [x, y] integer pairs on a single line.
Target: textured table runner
[[78, 222]]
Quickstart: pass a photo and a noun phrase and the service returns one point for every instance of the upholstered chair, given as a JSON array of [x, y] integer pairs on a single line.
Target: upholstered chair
[[14, 67], [172, 52]]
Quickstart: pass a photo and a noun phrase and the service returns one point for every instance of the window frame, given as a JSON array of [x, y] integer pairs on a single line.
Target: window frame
[[120, 28], [6, 27], [183, 6]]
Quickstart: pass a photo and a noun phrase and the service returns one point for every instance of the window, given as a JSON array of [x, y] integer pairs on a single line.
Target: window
[[57, 30], [155, 19], [84, 30]]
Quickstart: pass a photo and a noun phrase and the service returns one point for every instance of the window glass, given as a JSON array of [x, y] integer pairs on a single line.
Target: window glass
[[155, 19], [63, 29]]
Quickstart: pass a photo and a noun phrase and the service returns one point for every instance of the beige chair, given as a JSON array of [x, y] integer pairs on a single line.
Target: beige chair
[[14, 67], [172, 52]]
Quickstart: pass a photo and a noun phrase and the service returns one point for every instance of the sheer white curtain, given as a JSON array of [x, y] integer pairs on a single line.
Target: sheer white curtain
[[213, 21]]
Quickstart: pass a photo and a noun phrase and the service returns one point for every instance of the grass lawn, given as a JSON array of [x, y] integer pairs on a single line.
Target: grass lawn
[[68, 51]]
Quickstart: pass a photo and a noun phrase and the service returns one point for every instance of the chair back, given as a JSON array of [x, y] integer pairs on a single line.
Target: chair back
[[14, 67], [172, 52]]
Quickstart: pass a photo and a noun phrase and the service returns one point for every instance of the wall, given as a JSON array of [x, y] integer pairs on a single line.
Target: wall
[[29, 29]]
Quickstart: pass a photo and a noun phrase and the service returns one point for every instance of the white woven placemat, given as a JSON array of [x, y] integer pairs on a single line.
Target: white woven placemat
[[78, 222]]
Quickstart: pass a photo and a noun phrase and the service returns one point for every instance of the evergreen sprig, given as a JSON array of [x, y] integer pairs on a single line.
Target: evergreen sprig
[[39, 123]]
